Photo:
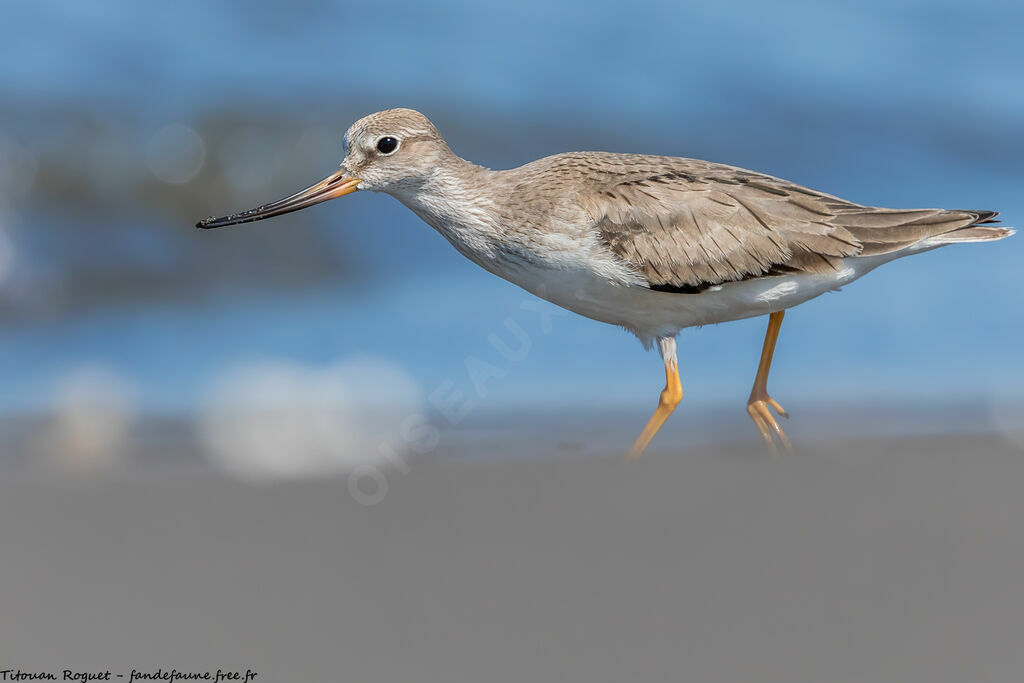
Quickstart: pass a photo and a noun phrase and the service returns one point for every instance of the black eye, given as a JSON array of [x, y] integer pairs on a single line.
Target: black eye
[[387, 145]]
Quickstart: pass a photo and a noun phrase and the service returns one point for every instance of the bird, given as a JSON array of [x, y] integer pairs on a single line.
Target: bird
[[652, 244]]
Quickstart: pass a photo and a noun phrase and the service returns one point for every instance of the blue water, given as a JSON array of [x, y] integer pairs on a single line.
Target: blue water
[[889, 103]]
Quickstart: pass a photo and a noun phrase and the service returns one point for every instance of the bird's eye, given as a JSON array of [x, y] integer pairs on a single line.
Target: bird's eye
[[387, 145]]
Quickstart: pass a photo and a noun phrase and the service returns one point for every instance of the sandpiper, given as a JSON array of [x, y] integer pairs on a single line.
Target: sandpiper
[[653, 244]]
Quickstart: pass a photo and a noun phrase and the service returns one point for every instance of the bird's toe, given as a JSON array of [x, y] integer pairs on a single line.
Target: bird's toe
[[766, 424]]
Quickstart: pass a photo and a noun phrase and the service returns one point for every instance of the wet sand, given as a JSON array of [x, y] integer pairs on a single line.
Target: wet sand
[[894, 559]]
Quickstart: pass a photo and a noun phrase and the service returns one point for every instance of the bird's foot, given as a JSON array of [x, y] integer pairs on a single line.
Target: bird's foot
[[757, 408]]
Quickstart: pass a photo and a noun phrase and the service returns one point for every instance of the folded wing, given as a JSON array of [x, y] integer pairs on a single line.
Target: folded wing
[[697, 224]]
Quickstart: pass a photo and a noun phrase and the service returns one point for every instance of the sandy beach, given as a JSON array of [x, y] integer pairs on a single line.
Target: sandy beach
[[892, 559]]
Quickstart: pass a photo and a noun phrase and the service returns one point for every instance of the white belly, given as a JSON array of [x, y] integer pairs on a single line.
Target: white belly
[[651, 314]]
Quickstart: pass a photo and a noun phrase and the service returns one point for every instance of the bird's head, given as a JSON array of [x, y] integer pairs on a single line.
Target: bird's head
[[393, 151]]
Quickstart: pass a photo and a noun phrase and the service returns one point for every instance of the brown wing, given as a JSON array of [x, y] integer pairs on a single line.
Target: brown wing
[[696, 224]]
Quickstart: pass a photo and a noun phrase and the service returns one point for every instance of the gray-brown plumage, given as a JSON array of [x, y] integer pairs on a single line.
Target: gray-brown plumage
[[686, 224], [654, 244]]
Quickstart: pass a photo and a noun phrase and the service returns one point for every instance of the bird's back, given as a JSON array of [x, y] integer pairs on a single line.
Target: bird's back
[[687, 224]]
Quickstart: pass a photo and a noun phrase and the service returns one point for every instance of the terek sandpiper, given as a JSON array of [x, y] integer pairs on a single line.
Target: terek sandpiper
[[653, 244]]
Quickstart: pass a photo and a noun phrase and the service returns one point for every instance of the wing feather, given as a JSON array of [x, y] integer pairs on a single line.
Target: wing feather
[[686, 224]]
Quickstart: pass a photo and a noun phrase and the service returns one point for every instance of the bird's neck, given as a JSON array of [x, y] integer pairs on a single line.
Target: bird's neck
[[458, 201]]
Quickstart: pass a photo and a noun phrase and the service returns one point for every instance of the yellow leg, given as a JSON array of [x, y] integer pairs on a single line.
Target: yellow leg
[[671, 395], [757, 406]]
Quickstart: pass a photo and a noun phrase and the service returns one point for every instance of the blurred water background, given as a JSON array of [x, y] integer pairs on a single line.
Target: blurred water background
[[123, 330]]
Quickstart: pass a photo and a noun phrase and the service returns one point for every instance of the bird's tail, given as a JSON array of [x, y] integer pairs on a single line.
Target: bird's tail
[[980, 230], [973, 234]]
